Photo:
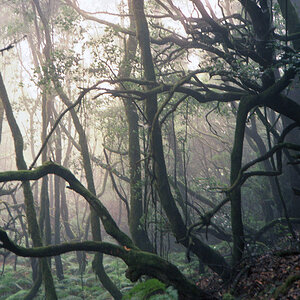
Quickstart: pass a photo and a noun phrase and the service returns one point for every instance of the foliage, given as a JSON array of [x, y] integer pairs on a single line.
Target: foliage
[[17, 296], [189, 269], [12, 282], [146, 290], [14, 285], [66, 18]]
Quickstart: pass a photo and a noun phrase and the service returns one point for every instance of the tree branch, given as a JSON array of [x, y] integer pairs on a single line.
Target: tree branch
[[139, 262], [75, 185]]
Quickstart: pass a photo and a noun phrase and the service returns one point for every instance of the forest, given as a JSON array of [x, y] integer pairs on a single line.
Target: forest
[[149, 149]]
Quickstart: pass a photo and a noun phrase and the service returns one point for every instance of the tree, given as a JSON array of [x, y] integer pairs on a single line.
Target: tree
[[33, 227], [250, 64]]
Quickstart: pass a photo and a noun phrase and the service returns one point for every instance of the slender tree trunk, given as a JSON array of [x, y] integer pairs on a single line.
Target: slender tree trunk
[[33, 227], [98, 259], [137, 230], [57, 187], [45, 225], [235, 195], [81, 256]]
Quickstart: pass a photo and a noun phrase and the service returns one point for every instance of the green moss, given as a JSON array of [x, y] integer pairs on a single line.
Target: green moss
[[283, 289], [145, 290], [18, 296], [228, 296]]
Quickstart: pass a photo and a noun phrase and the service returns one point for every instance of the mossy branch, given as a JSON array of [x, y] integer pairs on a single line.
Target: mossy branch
[[75, 185], [139, 262], [54, 250]]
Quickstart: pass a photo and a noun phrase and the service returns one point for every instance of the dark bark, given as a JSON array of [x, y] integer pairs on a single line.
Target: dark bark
[[137, 230], [210, 257], [235, 196], [139, 262]]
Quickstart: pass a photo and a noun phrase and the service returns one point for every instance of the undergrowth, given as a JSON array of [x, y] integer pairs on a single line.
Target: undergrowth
[[14, 284]]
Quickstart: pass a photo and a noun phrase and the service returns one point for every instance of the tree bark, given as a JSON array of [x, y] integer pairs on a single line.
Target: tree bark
[[139, 262], [138, 232], [210, 257]]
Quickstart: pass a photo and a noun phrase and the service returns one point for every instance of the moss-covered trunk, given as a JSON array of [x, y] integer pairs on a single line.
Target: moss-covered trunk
[[204, 252]]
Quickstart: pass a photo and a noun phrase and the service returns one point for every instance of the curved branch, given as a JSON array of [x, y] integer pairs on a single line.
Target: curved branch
[[242, 177], [75, 185], [54, 250], [87, 16], [139, 262]]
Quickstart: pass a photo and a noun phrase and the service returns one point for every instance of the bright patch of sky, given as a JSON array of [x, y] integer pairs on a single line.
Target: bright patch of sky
[[102, 5], [186, 6], [98, 9]]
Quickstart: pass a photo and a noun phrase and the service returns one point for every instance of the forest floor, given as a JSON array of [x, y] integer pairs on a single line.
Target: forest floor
[[270, 276]]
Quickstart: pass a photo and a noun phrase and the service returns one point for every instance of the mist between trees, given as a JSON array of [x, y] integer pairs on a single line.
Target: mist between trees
[[144, 141]]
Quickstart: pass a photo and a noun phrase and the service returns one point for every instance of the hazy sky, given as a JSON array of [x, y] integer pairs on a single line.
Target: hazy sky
[[100, 5], [111, 5]]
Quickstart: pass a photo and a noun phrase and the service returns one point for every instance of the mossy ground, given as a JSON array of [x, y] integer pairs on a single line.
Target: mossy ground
[[15, 284]]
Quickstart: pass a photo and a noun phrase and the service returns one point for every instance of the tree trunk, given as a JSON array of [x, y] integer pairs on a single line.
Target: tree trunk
[[210, 257], [57, 187], [235, 195], [138, 232], [33, 227]]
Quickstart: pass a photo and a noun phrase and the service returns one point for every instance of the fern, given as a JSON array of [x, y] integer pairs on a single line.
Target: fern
[[145, 290]]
